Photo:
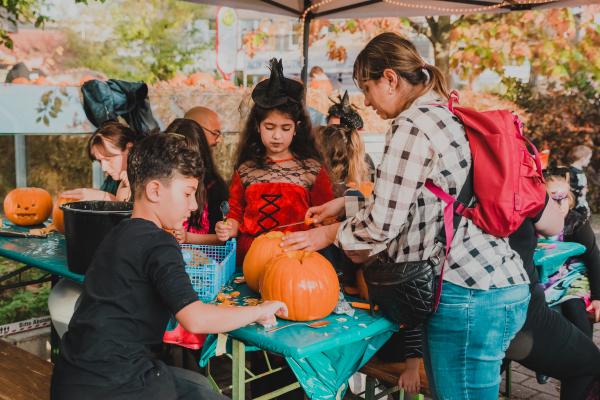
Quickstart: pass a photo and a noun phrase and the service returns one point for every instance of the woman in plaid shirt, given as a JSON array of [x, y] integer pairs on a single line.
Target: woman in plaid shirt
[[485, 292]]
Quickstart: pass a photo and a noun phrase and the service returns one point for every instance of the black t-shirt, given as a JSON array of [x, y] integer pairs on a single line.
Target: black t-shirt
[[524, 242], [135, 282]]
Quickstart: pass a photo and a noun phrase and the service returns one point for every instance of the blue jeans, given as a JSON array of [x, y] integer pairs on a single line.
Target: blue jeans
[[466, 338]]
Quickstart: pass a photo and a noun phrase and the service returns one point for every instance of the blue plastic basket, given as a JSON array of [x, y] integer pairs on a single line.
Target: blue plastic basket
[[209, 267]]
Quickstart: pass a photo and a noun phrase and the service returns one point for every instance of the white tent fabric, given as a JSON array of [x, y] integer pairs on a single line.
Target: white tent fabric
[[389, 8]]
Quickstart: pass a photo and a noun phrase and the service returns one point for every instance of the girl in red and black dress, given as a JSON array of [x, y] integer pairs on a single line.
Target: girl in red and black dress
[[279, 174]]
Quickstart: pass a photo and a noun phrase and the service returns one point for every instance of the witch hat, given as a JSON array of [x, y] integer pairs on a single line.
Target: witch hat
[[346, 112], [277, 90]]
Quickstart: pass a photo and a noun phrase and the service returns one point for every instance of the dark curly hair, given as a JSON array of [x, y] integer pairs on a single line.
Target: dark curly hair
[[251, 147], [216, 188], [159, 156]]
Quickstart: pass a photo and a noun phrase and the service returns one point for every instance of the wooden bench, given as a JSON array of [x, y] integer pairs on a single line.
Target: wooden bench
[[23, 376], [387, 373]]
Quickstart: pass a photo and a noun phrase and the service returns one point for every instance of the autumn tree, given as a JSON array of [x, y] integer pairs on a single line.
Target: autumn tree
[[150, 42]]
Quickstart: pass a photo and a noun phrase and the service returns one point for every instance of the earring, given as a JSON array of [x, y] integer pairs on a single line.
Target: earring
[[390, 90]]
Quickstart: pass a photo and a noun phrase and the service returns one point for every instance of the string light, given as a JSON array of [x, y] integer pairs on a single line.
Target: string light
[[447, 10]]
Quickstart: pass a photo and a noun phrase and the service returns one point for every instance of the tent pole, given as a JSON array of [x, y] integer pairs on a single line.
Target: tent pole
[[305, 37]]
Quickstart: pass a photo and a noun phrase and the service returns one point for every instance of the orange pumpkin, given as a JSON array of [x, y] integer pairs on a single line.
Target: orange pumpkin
[[58, 215], [261, 251], [27, 206], [305, 281]]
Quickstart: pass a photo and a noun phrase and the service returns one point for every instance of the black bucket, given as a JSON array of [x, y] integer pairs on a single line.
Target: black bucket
[[86, 225]]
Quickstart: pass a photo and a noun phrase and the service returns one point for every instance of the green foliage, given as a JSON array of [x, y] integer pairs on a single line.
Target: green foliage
[[23, 11], [149, 43], [22, 303]]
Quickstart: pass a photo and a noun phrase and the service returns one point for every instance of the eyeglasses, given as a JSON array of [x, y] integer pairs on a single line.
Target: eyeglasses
[[216, 133]]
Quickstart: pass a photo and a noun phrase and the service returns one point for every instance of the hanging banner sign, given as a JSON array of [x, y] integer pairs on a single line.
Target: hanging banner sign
[[226, 43], [22, 326]]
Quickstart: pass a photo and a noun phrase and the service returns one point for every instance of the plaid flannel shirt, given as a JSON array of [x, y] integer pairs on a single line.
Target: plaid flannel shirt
[[402, 217]]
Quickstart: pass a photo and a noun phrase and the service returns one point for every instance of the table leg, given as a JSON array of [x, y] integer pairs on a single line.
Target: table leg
[[54, 338], [238, 391]]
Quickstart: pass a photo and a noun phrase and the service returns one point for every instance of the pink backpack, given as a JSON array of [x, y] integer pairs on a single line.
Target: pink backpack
[[507, 179]]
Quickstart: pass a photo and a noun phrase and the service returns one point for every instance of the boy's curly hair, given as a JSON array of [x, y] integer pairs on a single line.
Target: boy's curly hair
[[159, 156]]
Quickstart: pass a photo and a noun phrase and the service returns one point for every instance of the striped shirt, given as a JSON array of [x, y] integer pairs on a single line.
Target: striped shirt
[[426, 141]]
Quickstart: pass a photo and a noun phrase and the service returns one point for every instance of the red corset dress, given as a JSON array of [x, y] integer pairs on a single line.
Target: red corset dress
[[280, 193]]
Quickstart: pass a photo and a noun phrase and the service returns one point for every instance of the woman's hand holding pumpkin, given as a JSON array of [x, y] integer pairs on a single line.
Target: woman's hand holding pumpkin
[[85, 194], [312, 240], [268, 310]]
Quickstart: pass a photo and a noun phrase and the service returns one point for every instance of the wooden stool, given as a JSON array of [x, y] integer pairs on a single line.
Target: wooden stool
[[23, 376], [388, 373]]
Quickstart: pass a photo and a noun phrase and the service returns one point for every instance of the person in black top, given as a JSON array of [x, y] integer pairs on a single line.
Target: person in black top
[[135, 282], [200, 227], [548, 343]]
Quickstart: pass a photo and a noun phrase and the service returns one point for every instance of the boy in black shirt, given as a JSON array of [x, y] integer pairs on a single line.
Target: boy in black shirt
[[136, 280]]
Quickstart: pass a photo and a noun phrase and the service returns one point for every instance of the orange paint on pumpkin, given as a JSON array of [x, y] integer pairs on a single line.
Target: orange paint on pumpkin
[[58, 215], [305, 281], [261, 251], [27, 206]]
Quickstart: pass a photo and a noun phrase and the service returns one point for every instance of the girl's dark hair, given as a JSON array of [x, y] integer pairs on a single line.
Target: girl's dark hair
[[160, 156], [214, 189], [113, 131], [251, 147], [390, 50]]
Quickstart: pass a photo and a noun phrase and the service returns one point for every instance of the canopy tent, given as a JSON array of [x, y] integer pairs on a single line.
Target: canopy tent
[[307, 10]]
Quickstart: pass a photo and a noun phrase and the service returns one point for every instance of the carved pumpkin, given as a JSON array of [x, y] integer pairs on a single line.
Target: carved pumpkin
[[305, 281], [27, 206], [261, 251], [58, 215]]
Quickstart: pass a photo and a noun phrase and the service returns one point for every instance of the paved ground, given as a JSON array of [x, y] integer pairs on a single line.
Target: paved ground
[[525, 385]]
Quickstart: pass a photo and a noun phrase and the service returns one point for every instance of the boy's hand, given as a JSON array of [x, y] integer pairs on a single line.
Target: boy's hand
[[410, 381], [268, 310], [224, 230]]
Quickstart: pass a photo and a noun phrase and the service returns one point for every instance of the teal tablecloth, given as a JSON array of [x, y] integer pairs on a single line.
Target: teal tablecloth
[[549, 260], [48, 254], [322, 359]]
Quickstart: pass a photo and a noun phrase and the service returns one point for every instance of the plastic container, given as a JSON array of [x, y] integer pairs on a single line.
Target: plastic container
[[209, 267], [86, 225]]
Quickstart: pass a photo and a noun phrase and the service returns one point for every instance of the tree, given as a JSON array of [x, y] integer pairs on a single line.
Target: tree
[[148, 41], [15, 12], [557, 43]]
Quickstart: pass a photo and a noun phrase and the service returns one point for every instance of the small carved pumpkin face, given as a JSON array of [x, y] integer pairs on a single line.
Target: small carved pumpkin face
[[27, 206]]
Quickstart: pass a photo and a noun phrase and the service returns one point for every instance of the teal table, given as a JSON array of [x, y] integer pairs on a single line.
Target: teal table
[[322, 359], [48, 254], [548, 260]]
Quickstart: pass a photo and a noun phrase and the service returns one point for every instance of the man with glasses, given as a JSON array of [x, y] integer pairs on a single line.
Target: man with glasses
[[209, 121]]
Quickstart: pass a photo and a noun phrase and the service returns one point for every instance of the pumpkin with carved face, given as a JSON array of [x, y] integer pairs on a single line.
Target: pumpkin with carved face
[[27, 206]]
